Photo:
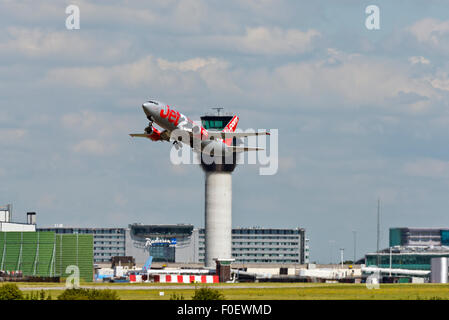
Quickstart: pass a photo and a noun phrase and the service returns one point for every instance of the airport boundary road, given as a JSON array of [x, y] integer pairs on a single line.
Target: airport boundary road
[[168, 287]]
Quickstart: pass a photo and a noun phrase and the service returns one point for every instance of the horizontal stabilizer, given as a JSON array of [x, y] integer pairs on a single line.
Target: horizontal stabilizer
[[140, 135], [230, 135], [244, 134], [243, 149]]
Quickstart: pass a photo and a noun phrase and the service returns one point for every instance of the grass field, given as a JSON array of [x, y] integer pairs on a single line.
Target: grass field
[[267, 291]]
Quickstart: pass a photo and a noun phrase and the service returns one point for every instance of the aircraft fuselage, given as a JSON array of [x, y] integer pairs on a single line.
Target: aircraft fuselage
[[170, 119]]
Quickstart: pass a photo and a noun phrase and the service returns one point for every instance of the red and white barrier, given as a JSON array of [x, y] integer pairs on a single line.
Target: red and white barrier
[[135, 278], [169, 278]]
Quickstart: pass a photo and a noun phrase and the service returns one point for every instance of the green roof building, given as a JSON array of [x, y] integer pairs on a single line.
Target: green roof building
[[46, 254]]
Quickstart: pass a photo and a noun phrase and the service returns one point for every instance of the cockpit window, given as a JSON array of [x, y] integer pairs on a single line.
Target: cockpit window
[[154, 102]]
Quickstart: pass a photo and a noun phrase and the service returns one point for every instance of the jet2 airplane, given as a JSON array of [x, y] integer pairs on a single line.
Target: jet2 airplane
[[209, 142]]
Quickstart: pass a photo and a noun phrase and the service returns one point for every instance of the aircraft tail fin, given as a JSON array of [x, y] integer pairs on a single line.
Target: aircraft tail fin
[[147, 265], [230, 127]]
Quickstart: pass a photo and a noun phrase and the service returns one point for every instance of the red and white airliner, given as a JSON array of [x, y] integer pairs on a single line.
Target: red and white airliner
[[201, 140]]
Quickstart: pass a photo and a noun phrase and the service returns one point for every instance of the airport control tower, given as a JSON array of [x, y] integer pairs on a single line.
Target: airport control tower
[[218, 197]]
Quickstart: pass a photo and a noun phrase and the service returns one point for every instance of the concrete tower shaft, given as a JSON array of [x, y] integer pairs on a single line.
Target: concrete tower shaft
[[218, 216], [218, 196]]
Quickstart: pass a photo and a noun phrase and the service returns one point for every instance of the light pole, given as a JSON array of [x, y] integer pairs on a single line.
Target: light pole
[[355, 245], [342, 253], [378, 232], [391, 262]]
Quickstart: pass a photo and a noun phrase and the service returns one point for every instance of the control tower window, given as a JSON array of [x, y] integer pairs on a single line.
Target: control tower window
[[214, 124]]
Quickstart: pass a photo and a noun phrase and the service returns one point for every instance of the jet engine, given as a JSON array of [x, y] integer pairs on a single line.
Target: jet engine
[[153, 133], [149, 129]]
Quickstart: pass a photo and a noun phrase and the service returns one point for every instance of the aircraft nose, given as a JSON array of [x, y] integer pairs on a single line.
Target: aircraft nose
[[147, 108]]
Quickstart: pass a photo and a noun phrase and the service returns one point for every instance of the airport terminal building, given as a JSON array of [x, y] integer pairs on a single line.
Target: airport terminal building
[[265, 245], [411, 248], [166, 243], [182, 243], [419, 237]]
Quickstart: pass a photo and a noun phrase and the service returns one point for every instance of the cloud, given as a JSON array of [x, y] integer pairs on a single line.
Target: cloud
[[81, 120], [440, 81], [191, 64], [98, 131], [431, 34], [11, 136], [418, 60], [160, 75], [408, 98], [61, 45], [144, 71], [175, 16], [427, 167], [94, 147], [349, 80], [265, 41], [429, 30], [25, 11]]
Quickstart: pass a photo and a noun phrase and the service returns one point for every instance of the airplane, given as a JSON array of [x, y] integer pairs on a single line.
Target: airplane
[[207, 142]]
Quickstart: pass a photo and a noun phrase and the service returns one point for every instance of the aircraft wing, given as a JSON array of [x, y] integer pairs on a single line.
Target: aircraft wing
[[243, 149], [156, 135]]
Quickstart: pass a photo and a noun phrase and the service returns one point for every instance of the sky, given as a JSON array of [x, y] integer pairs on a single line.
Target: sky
[[361, 114]]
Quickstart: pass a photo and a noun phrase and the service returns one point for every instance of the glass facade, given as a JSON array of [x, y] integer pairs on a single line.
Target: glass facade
[[265, 231], [395, 237], [412, 261], [161, 230], [418, 237], [165, 243], [445, 237], [162, 253], [412, 248], [259, 245]]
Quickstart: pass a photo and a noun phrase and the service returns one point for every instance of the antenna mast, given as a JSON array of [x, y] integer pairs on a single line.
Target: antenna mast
[[378, 231], [218, 110]]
